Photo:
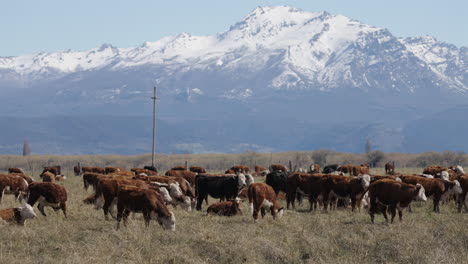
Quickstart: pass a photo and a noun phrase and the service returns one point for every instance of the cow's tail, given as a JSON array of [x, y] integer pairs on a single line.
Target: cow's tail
[[250, 195]]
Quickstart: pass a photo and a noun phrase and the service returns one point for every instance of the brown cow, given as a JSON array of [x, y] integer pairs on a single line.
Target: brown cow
[[27, 178], [347, 168], [260, 168], [183, 183], [228, 208], [15, 170], [48, 176], [240, 169], [394, 195], [304, 183], [360, 170], [145, 201], [463, 197], [345, 187], [12, 184], [433, 170], [229, 171], [261, 198], [433, 188], [188, 175], [278, 167], [93, 170], [197, 169], [389, 168], [48, 194], [107, 191], [18, 215], [90, 179]]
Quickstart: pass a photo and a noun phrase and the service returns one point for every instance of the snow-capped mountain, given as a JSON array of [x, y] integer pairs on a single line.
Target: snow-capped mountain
[[278, 61]]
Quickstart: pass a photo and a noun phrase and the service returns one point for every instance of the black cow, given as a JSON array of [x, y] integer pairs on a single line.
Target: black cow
[[222, 187], [277, 180], [330, 168], [151, 168]]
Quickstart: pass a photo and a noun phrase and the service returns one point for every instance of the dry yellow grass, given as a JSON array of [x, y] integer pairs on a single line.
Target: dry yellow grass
[[299, 237]]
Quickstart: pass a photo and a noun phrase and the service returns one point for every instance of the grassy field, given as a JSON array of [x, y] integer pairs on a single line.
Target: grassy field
[[299, 237]]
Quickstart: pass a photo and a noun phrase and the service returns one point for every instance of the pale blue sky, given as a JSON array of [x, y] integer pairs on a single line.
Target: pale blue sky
[[29, 26]]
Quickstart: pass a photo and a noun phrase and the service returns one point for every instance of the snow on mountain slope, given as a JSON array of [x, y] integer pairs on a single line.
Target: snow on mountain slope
[[293, 49]]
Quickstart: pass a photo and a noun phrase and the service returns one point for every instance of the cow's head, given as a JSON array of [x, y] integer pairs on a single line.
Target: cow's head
[[27, 212], [241, 181], [459, 170], [167, 222], [165, 195], [249, 179], [421, 193], [365, 180], [179, 197], [279, 212], [444, 175], [455, 188]]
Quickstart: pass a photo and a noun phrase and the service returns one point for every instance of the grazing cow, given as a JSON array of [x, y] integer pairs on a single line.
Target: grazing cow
[[278, 167], [107, 190], [240, 169], [394, 195], [228, 208], [260, 168], [18, 215], [179, 168], [389, 168], [48, 194], [15, 170], [93, 170], [183, 183], [48, 176], [261, 198], [145, 171], [197, 169], [222, 187], [330, 168], [12, 184], [345, 187], [314, 168], [305, 184], [433, 188], [146, 201], [187, 175], [56, 170]]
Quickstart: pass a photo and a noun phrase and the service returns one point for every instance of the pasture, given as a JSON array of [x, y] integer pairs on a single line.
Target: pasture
[[298, 237]]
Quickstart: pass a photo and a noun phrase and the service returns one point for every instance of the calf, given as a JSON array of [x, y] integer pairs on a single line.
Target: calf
[[48, 194], [393, 194], [145, 201], [18, 215], [261, 198], [228, 208], [345, 187], [222, 187]]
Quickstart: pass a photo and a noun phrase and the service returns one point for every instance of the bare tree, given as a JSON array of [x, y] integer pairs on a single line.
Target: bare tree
[[374, 157], [26, 148], [319, 156]]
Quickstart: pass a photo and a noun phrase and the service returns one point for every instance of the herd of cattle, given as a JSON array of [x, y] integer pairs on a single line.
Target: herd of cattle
[[143, 190]]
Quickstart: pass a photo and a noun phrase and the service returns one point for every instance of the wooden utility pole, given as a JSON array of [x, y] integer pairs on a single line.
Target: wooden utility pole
[[154, 126]]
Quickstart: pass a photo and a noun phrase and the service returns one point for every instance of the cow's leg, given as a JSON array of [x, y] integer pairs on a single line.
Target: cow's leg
[[393, 212], [107, 204], [384, 212], [400, 214], [460, 202], [290, 198], [146, 217], [311, 203], [466, 202], [256, 211], [125, 215], [409, 209], [119, 215], [63, 206], [40, 206], [262, 210], [200, 201], [435, 202], [353, 204]]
